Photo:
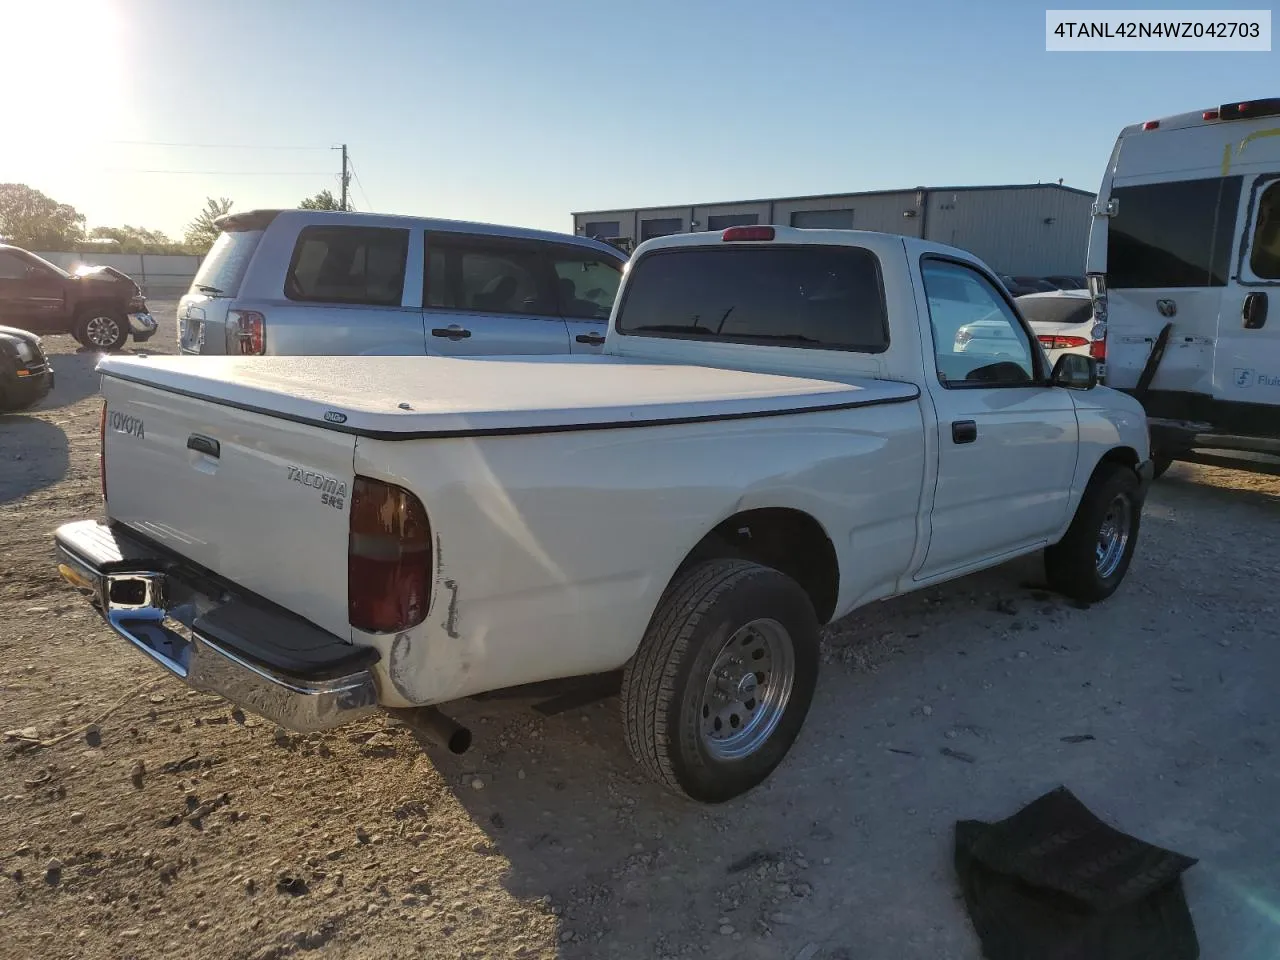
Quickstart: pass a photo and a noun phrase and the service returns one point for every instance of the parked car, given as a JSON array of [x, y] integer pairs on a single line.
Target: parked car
[[333, 283], [340, 534], [1064, 323], [1067, 282], [26, 375], [1184, 256], [99, 306]]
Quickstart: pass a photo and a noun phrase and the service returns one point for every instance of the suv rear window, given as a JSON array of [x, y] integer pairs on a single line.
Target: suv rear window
[[819, 297], [362, 265], [225, 264], [1064, 310]]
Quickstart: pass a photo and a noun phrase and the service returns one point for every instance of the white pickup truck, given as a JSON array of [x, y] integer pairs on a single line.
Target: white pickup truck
[[782, 428]]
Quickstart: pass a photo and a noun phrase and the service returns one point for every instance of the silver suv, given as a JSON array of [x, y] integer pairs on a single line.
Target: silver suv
[[333, 284]]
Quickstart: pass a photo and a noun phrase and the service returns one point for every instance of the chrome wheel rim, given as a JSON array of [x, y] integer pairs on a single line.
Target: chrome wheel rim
[[1113, 536], [747, 690], [102, 331]]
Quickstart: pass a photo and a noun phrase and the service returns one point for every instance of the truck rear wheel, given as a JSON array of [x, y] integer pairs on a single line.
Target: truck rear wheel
[[723, 679], [1091, 560]]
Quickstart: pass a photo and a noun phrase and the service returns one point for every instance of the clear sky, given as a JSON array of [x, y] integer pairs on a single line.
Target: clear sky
[[520, 112]]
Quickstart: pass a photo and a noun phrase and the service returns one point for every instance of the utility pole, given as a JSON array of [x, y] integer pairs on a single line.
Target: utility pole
[[346, 177]]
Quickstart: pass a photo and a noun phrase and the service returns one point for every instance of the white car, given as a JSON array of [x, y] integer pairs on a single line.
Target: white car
[[772, 439], [1063, 321]]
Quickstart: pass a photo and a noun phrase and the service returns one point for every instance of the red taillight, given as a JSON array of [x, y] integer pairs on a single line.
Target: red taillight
[[1151, 125], [102, 451], [747, 233], [251, 331], [1098, 348], [1209, 115], [1062, 343], [388, 558]]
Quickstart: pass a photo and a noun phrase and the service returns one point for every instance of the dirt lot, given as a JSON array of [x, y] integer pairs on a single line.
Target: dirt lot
[[179, 827]]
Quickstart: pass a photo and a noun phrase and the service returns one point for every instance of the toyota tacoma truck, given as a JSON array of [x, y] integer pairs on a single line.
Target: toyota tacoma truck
[[784, 426]]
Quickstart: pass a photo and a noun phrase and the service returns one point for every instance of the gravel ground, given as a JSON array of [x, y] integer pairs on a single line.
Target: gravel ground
[[177, 826]]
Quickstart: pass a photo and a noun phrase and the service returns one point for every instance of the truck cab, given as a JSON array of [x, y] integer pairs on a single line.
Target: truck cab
[[1184, 258]]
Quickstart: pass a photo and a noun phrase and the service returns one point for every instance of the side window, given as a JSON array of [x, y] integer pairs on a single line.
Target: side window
[[977, 338], [1172, 234], [362, 265], [487, 275], [12, 268], [1264, 256], [587, 283]]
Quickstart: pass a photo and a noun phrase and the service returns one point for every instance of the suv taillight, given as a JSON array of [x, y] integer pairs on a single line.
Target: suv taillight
[[388, 558], [250, 331], [102, 451]]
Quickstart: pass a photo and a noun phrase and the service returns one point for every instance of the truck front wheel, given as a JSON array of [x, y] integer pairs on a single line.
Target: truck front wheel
[[1091, 560], [722, 681]]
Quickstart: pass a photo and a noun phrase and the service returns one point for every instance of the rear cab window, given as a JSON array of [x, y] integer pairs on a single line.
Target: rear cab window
[[808, 295], [224, 266], [356, 265]]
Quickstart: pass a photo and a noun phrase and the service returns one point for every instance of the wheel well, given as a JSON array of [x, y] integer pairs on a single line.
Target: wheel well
[[1124, 456], [110, 306], [789, 541]]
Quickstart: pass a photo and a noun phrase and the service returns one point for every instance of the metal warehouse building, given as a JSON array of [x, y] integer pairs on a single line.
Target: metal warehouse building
[[1037, 229]]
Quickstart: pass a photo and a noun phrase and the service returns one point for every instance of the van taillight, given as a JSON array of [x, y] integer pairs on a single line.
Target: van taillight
[[388, 558], [1098, 348], [102, 451], [250, 331]]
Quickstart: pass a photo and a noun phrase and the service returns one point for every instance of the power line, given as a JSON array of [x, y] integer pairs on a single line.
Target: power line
[[213, 146], [226, 173], [363, 195]]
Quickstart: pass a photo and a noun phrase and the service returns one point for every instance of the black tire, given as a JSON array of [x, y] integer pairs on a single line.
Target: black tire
[[664, 683], [1160, 462], [102, 328], [1073, 565]]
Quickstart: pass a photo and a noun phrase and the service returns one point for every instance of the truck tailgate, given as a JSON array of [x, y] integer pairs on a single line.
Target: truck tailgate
[[258, 500]]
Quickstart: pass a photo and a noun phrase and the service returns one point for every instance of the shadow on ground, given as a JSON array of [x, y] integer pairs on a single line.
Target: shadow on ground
[[34, 454]]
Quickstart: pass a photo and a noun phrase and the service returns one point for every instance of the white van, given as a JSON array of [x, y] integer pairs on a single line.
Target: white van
[[1184, 254]]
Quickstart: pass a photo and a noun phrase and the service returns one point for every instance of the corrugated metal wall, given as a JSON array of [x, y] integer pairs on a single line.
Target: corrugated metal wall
[[1037, 230], [1029, 230]]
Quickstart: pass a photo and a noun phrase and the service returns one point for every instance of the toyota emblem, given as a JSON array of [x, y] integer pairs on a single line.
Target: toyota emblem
[[1167, 308]]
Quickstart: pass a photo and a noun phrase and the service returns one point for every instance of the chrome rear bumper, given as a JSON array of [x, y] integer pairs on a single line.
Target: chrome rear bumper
[[217, 638]]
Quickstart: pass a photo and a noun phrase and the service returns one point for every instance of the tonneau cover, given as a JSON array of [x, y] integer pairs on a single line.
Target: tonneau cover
[[406, 397]]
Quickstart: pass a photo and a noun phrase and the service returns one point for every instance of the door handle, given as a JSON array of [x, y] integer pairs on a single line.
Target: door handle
[[594, 339], [206, 445], [1254, 313], [453, 332], [964, 431]]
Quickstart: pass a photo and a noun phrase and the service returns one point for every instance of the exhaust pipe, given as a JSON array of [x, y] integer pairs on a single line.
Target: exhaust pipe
[[439, 729]]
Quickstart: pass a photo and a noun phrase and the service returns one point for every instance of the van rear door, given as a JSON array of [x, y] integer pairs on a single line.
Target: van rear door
[[1168, 255]]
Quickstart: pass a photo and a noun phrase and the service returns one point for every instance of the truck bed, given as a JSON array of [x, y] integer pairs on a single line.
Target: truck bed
[[398, 398]]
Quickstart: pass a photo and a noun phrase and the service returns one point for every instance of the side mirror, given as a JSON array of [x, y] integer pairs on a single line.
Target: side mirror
[[1075, 372], [1254, 313]]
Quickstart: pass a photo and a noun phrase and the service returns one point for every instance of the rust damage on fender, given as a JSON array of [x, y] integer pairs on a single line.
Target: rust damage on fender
[[451, 618]]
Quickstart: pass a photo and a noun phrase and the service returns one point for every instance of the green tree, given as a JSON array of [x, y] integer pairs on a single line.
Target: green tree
[[131, 239], [30, 219], [324, 200], [202, 231]]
